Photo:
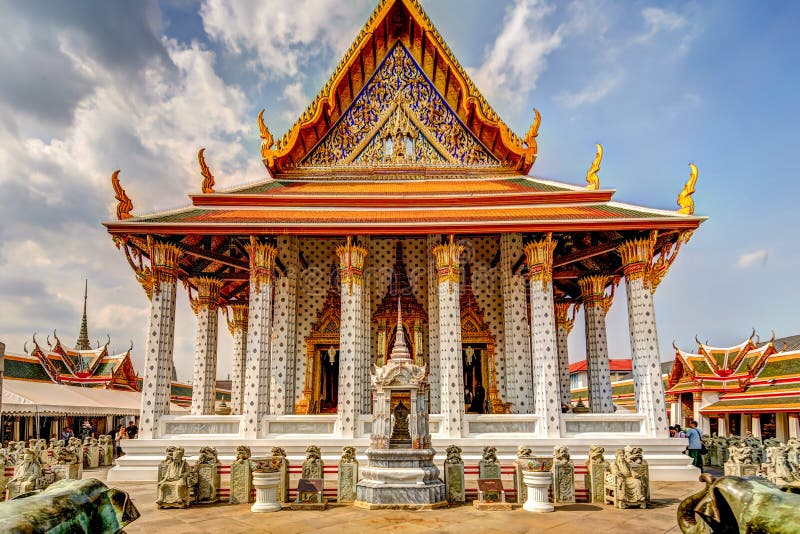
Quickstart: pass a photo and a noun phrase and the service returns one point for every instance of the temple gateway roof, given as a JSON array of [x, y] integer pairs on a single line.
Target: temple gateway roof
[[400, 142]]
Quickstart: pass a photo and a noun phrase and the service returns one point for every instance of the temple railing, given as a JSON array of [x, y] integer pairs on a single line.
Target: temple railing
[[294, 426], [500, 425], [602, 424]]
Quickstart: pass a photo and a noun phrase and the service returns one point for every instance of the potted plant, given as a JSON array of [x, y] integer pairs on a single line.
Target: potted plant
[[266, 476], [538, 477]]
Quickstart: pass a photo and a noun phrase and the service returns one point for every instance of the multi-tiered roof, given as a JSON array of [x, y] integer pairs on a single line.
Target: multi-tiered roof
[[400, 142]]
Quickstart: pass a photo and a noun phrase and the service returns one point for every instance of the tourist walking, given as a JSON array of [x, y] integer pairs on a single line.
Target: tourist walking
[[695, 445]]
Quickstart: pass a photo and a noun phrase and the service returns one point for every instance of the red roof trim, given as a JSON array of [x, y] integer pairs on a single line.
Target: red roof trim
[[622, 364]]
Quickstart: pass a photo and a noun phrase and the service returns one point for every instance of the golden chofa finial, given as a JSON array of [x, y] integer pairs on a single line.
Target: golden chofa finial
[[685, 200], [208, 178], [267, 141], [533, 131], [592, 179], [124, 203]]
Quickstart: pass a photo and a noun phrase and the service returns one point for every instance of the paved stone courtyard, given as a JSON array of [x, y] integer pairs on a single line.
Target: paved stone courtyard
[[577, 518]]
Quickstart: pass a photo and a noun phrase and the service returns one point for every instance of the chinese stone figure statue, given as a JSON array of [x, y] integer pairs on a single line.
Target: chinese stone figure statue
[[777, 468], [563, 476], [454, 476], [489, 466], [241, 477], [27, 474], [173, 487], [348, 475], [207, 470], [92, 454], [283, 468], [162, 466], [741, 461], [596, 467], [68, 462], [106, 450], [625, 485]]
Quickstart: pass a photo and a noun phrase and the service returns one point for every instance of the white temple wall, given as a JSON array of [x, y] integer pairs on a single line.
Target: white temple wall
[[488, 289]]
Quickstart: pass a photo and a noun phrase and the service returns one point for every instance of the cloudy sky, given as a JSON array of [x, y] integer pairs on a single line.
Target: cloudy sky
[[93, 86]]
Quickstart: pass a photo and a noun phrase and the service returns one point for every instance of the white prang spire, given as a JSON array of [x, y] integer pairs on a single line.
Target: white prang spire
[[400, 350]]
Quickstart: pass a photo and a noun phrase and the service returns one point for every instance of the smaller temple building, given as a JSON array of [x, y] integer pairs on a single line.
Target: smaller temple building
[[750, 387]]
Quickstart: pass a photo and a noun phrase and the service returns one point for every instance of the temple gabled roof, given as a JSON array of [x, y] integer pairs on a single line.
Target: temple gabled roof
[[401, 27]]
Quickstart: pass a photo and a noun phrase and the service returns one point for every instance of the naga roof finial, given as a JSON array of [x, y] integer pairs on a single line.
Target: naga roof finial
[[124, 203], [267, 141], [208, 178], [592, 179], [685, 200]]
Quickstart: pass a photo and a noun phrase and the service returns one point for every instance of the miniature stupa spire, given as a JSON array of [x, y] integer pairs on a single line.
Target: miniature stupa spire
[[400, 350], [83, 337]]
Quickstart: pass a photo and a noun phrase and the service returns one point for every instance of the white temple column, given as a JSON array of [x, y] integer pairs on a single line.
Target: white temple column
[[204, 375], [564, 324], [722, 426], [283, 343], [794, 425], [238, 329], [364, 385], [755, 425], [546, 395], [351, 336], [451, 366], [676, 415], [781, 426], [648, 387], [259, 331], [697, 403], [434, 374], [159, 283], [595, 307], [519, 388]]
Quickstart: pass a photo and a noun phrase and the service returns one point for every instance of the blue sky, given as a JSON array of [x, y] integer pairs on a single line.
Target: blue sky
[[140, 86]]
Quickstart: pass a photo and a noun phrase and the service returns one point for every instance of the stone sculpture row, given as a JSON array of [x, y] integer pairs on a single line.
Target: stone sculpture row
[[36, 466]]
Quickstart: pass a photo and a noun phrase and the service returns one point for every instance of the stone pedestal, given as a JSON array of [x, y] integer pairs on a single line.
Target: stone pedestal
[[241, 481], [266, 485], [594, 480], [207, 484], [454, 482], [538, 483], [346, 482], [403, 479], [67, 471]]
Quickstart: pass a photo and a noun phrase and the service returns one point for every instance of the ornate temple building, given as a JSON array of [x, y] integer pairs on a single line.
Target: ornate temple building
[[401, 182], [750, 387]]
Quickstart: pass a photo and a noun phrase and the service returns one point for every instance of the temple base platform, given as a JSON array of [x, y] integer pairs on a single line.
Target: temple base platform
[[401, 479]]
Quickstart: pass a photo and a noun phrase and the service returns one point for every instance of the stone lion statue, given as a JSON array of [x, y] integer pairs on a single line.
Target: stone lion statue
[[561, 453], [596, 454], [634, 455], [313, 453], [348, 454], [490, 455], [278, 451], [208, 455], [523, 451], [453, 455], [242, 454]]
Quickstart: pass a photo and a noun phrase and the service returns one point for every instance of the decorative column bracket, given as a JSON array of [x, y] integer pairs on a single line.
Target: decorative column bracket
[[643, 261]]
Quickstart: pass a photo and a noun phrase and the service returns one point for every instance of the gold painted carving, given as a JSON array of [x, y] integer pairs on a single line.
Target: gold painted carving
[[641, 260], [164, 260], [262, 262], [351, 263], [685, 200], [267, 142], [531, 146], [124, 203], [208, 178], [593, 290], [207, 293], [239, 321], [563, 318], [539, 255], [592, 179], [446, 256]]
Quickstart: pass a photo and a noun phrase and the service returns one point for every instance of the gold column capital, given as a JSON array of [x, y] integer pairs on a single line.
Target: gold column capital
[[164, 262], [239, 321], [352, 259], [208, 289], [639, 258], [262, 262], [539, 255], [446, 256], [563, 318], [593, 290]]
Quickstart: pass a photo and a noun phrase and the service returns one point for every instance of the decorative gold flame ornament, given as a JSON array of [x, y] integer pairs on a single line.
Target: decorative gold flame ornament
[[124, 203], [208, 178], [639, 258], [685, 200], [267, 141], [592, 179], [539, 255], [532, 147]]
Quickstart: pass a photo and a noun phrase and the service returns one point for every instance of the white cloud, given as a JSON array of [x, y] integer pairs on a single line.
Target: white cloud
[[596, 91], [750, 259], [273, 35], [296, 101], [659, 20]]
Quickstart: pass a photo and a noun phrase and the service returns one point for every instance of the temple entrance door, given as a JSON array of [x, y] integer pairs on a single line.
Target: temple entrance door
[[475, 364], [328, 383]]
